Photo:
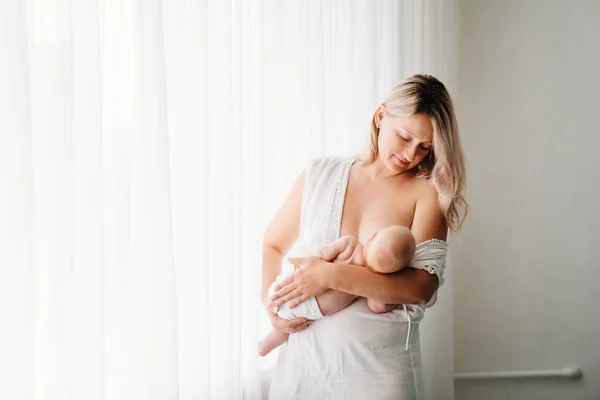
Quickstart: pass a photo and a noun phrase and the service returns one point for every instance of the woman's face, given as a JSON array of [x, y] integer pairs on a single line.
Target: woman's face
[[403, 141]]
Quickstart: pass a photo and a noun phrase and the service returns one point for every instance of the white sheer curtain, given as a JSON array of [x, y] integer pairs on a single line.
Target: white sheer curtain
[[144, 147]]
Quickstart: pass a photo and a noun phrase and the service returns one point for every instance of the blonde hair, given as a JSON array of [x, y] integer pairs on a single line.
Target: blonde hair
[[444, 165]]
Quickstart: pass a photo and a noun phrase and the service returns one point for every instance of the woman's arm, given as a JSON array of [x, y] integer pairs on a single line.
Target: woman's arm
[[281, 234], [408, 286], [279, 237]]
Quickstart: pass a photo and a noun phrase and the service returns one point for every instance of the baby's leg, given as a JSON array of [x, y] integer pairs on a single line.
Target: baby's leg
[[333, 301], [273, 340], [379, 308]]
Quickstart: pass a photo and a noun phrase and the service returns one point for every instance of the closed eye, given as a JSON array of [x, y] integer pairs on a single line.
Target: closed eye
[[409, 139]]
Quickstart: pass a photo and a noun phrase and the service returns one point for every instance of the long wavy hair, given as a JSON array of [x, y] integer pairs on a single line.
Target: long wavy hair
[[444, 165]]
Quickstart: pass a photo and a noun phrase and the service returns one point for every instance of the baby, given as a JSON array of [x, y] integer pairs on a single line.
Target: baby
[[388, 251]]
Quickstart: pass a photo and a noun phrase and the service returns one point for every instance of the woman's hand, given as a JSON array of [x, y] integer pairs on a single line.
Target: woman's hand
[[270, 306], [284, 325], [290, 326], [310, 280]]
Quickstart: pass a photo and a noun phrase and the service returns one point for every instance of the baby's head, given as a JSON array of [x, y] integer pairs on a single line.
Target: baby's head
[[390, 249]]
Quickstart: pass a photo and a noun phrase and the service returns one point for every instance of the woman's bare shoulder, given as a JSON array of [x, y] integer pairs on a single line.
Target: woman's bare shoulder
[[428, 220], [425, 188], [420, 189]]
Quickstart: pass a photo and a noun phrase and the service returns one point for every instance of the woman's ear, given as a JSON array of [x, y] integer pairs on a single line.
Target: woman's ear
[[380, 113]]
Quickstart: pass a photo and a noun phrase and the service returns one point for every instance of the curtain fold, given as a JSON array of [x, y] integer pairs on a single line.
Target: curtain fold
[[145, 146]]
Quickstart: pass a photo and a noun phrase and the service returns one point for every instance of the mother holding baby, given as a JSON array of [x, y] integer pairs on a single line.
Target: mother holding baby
[[411, 175]]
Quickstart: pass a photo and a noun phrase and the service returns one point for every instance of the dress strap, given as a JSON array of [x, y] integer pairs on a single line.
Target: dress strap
[[337, 206], [409, 326]]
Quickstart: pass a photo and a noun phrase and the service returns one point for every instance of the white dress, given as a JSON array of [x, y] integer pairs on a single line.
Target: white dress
[[353, 354]]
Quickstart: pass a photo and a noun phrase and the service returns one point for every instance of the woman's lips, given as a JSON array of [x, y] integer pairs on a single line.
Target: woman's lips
[[401, 162]]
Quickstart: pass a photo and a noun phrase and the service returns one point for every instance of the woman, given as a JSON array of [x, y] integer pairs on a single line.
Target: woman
[[412, 175]]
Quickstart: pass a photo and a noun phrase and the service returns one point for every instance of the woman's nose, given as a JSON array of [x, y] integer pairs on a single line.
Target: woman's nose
[[409, 155]]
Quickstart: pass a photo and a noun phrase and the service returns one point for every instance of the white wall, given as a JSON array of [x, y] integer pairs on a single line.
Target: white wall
[[527, 277]]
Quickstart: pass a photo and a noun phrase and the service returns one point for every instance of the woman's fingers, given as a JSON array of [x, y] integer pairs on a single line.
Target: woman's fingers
[[281, 324], [303, 326], [296, 322], [283, 283], [290, 326], [298, 260], [282, 294], [298, 300], [270, 305], [288, 297], [286, 326]]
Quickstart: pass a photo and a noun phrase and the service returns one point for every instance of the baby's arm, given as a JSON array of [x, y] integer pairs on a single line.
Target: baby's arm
[[332, 250]]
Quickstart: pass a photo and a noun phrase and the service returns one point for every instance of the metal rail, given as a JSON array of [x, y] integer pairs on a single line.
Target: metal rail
[[569, 372]]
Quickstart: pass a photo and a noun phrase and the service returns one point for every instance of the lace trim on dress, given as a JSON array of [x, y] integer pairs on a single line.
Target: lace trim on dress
[[335, 216], [431, 256]]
